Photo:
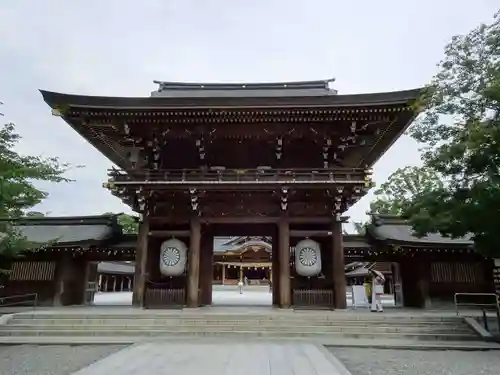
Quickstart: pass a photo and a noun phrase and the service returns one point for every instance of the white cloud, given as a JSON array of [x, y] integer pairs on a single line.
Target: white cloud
[[118, 47]]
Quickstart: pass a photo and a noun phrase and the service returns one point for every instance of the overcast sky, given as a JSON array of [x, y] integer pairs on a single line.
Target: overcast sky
[[118, 47]]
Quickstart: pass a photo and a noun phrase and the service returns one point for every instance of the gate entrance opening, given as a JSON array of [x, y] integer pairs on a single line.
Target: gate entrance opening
[[242, 271]]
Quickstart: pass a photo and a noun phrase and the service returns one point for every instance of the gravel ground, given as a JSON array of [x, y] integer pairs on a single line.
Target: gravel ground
[[413, 362], [51, 359]]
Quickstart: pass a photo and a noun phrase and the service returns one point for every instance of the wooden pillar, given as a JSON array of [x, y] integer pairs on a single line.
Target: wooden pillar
[[338, 268], [206, 268], [423, 282], [193, 280], [397, 283], [275, 270], [71, 280], [284, 263], [141, 262]]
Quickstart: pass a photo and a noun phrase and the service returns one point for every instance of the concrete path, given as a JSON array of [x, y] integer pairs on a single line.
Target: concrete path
[[218, 358]]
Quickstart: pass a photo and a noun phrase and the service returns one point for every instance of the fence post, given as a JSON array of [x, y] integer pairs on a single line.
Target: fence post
[[497, 300], [485, 319]]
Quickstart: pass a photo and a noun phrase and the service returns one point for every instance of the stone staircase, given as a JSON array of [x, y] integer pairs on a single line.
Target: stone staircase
[[319, 326]]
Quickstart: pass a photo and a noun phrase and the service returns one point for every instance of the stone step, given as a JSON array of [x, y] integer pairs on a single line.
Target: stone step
[[271, 315], [374, 317], [231, 327], [239, 334], [204, 322]]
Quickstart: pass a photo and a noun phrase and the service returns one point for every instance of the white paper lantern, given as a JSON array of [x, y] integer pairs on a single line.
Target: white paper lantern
[[173, 257], [308, 258]]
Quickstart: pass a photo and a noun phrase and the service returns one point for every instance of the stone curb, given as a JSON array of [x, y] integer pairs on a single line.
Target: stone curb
[[374, 344], [417, 347], [339, 366], [478, 329]]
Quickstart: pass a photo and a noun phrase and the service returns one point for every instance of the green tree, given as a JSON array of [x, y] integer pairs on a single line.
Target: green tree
[[402, 187], [34, 214], [359, 227], [461, 132], [18, 174], [129, 223]]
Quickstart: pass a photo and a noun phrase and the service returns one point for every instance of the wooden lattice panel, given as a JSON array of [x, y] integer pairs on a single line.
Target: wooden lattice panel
[[496, 279], [33, 271], [312, 297], [447, 272]]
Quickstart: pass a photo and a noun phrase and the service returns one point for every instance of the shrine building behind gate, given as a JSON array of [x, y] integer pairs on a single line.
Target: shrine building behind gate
[[282, 160]]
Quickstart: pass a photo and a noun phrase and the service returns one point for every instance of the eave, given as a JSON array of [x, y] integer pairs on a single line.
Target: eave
[[57, 100]]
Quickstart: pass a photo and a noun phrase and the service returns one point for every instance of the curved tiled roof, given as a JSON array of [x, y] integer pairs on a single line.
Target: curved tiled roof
[[55, 99], [233, 244], [393, 228], [126, 268], [191, 101], [70, 230]]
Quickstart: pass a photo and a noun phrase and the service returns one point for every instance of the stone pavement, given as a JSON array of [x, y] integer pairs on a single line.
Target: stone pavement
[[221, 359]]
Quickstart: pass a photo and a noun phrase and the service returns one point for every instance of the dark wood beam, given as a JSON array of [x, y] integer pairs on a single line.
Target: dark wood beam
[[265, 220], [310, 233], [169, 186], [240, 220], [169, 233]]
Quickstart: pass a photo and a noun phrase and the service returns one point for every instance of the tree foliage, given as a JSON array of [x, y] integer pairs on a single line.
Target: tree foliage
[[18, 193], [359, 227], [129, 224], [461, 132], [34, 214], [402, 187]]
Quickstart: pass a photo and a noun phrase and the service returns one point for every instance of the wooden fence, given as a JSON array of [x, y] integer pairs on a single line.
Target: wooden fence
[[157, 297], [312, 298]]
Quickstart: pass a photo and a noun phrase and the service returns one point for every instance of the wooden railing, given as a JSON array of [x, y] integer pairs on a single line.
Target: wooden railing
[[29, 299], [482, 301], [345, 175]]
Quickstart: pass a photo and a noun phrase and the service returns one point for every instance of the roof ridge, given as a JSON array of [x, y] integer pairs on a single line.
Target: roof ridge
[[64, 220], [172, 85]]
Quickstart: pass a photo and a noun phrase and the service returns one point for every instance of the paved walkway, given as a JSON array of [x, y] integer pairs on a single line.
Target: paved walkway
[[220, 359]]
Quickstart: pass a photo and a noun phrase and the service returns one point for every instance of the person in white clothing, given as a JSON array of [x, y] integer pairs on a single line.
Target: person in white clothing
[[377, 292], [240, 286]]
